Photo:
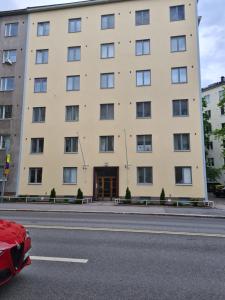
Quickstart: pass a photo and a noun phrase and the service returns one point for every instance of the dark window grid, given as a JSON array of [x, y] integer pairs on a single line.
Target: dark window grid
[[106, 144], [38, 114], [35, 175], [180, 108], [37, 145], [144, 143], [72, 113], [107, 111], [179, 175], [144, 175], [179, 42], [108, 21], [181, 142], [71, 145], [142, 17], [143, 110], [179, 72]]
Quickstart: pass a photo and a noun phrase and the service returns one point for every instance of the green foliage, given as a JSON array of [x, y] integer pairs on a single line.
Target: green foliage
[[80, 194], [128, 194], [212, 173], [52, 194], [162, 197]]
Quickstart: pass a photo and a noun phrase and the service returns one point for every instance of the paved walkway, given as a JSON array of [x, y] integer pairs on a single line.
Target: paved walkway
[[109, 207]]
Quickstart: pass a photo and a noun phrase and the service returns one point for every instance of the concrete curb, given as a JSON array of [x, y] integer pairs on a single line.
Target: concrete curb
[[112, 212]]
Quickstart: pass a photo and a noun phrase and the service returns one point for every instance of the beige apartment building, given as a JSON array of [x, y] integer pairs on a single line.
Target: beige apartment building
[[212, 94], [112, 100]]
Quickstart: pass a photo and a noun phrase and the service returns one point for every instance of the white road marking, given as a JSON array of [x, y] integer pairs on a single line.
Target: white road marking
[[59, 259], [181, 233]]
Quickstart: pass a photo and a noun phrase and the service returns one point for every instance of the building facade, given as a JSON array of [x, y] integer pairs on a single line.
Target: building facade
[[12, 61], [112, 100], [212, 94]]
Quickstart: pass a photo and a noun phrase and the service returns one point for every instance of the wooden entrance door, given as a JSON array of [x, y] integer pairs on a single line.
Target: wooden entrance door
[[106, 187]]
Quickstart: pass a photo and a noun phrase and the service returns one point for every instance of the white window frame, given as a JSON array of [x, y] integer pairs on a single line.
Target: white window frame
[[74, 53], [143, 78], [107, 80], [9, 29], [70, 170], [142, 47], [73, 83], [73, 141], [108, 21], [176, 43], [36, 170], [144, 168], [41, 56], [107, 50], [3, 112], [75, 112], [9, 56], [4, 83], [140, 17], [40, 85], [43, 28], [74, 25], [5, 142], [176, 75], [176, 8], [181, 142], [184, 181]]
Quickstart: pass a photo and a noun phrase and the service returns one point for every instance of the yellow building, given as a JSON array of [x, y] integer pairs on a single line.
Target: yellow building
[[112, 100]]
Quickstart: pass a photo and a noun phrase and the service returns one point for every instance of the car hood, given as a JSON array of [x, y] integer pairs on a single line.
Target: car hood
[[11, 234]]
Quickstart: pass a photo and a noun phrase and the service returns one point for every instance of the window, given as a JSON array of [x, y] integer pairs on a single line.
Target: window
[[11, 29], [178, 43], [2, 173], [40, 85], [179, 75], [144, 143], [177, 13], [142, 17], [74, 25], [143, 109], [207, 99], [209, 145], [106, 144], [38, 114], [107, 81], [35, 175], [43, 28], [42, 56], [143, 78], [142, 47], [37, 145], [221, 95], [71, 144], [7, 84], [72, 113], [69, 175], [106, 111], [181, 142], [208, 113], [9, 56], [180, 108], [74, 53], [144, 175], [222, 110], [73, 83], [210, 162], [183, 175], [107, 50], [4, 142], [5, 112], [107, 21]]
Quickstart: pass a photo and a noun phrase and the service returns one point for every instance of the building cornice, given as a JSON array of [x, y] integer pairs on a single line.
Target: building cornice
[[45, 8]]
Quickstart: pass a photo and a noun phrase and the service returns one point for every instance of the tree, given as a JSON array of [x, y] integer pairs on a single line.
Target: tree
[[162, 197], [79, 194], [52, 194], [128, 194], [212, 173], [220, 133]]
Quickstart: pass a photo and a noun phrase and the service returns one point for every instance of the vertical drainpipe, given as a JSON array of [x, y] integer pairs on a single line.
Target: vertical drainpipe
[[200, 104], [25, 81]]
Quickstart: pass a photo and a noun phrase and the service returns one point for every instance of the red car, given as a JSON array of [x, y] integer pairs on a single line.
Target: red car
[[15, 244]]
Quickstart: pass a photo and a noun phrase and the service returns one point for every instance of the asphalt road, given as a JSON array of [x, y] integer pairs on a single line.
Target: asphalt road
[[143, 258]]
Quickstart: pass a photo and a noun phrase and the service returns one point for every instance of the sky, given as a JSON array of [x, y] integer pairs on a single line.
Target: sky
[[211, 32]]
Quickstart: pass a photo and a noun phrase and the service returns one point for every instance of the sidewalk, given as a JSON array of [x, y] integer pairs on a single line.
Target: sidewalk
[[109, 207]]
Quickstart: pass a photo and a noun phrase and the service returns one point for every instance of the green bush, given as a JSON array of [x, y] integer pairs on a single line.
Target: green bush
[[52, 195], [128, 194], [162, 197], [80, 194]]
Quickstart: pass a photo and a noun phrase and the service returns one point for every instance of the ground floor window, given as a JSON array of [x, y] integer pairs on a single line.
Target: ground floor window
[[35, 175], [144, 175], [183, 175], [70, 175]]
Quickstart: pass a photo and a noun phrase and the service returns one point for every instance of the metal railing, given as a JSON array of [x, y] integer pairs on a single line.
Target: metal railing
[[168, 202], [47, 200]]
